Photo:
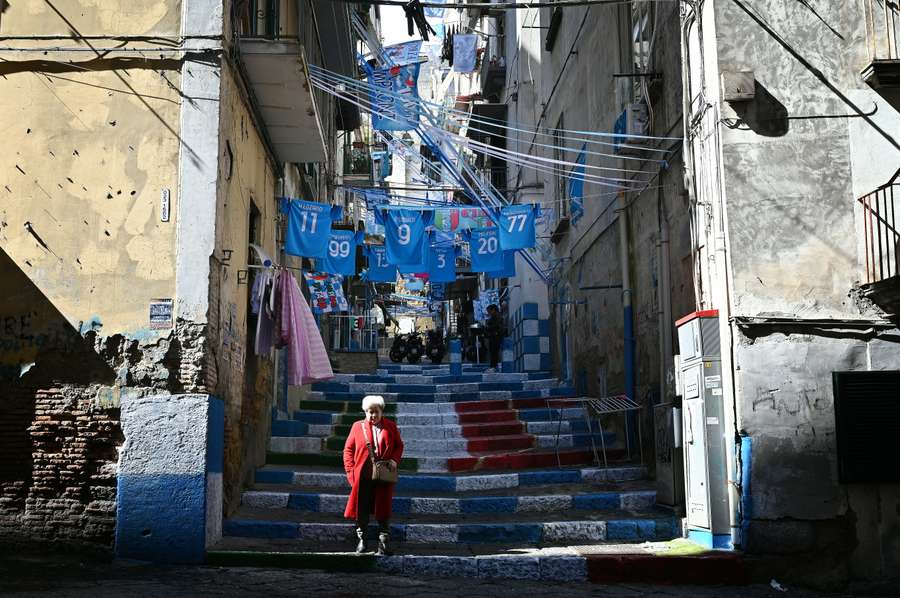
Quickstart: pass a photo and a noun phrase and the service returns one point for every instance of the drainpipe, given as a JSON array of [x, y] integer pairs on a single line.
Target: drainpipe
[[628, 320], [665, 301]]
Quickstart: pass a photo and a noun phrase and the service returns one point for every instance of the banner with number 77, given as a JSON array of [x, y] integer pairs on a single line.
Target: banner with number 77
[[516, 226]]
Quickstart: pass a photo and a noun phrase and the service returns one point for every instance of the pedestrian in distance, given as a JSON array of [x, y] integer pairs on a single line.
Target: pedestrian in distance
[[495, 333], [372, 456]]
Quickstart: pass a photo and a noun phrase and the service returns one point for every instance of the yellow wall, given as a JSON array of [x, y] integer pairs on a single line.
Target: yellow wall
[[251, 179], [91, 17], [84, 164]]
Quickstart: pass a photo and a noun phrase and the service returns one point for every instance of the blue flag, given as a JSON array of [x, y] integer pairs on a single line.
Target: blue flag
[[397, 108], [404, 235], [437, 290], [509, 267], [341, 255], [442, 263], [517, 226], [309, 226], [379, 268], [484, 248], [576, 188]]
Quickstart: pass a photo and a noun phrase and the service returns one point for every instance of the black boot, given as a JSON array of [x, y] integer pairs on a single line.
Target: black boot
[[363, 536], [383, 539]]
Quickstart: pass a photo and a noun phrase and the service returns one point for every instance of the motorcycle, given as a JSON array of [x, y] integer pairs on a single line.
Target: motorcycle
[[399, 348], [434, 347], [414, 348]]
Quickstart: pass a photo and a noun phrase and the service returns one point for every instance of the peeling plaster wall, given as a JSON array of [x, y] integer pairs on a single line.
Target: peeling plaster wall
[[792, 166], [245, 381]]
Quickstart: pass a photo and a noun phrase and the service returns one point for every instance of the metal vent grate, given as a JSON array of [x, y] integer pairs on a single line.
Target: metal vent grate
[[867, 426]]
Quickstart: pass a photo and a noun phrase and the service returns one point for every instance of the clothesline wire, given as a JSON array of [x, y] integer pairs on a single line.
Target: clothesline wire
[[500, 123], [496, 152]]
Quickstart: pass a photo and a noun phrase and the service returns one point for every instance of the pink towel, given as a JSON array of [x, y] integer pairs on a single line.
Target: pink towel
[[307, 359]]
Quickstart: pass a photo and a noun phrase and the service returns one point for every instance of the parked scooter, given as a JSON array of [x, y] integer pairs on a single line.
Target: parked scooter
[[399, 348], [434, 347], [414, 348]]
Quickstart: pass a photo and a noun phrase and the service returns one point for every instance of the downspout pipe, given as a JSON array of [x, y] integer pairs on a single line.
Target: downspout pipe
[[627, 320], [746, 497], [665, 301]]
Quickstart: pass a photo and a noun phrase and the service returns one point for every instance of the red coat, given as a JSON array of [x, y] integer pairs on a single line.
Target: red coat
[[355, 456]]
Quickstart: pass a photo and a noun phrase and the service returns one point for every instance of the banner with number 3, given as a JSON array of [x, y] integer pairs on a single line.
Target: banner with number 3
[[517, 226]]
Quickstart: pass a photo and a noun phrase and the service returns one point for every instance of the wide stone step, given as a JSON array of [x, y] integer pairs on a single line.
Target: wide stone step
[[550, 530], [430, 505], [430, 387], [406, 396], [304, 477], [666, 562]]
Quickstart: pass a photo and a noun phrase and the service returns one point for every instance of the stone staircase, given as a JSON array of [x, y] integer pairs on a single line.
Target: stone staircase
[[498, 479]]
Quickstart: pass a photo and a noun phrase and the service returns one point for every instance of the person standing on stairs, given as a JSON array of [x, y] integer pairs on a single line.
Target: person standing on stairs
[[494, 332], [368, 495]]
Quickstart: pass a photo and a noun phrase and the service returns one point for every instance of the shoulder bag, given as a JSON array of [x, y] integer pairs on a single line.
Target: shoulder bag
[[381, 470]]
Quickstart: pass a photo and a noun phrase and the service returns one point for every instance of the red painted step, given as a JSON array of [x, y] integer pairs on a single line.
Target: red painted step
[[532, 459], [501, 428], [505, 415], [500, 443], [529, 403]]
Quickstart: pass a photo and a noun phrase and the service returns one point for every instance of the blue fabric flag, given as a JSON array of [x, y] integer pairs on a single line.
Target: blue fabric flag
[[517, 226], [484, 247], [509, 267], [576, 188], [437, 291], [309, 226], [379, 268], [404, 234], [442, 263], [390, 112], [341, 255]]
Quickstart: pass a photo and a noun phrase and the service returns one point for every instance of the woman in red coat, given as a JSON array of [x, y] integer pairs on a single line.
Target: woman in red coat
[[368, 496]]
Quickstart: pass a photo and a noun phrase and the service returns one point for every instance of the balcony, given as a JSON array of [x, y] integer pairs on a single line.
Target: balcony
[[882, 242], [493, 78], [883, 71]]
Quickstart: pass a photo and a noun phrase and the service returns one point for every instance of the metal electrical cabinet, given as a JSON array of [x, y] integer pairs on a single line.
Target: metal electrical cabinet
[[703, 428]]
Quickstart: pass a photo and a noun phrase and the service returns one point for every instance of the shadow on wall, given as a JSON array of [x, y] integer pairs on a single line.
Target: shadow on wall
[[39, 350], [764, 115]]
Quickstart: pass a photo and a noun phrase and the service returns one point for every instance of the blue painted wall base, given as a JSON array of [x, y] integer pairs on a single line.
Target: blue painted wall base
[[709, 540]]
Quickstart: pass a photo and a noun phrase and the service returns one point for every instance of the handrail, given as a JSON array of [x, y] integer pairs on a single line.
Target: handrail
[[881, 237]]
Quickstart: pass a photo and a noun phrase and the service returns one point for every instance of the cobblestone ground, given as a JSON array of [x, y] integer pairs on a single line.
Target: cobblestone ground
[[24, 576]]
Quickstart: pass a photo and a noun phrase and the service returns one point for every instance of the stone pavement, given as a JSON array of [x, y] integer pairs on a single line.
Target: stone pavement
[[25, 576]]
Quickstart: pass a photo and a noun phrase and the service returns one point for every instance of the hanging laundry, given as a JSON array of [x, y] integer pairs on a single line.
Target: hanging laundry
[[415, 15], [262, 304], [404, 236], [484, 248], [341, 255], [464, 52], [517, 226], [403, 53], [380, 270], [309, 226], [326, 292], [307, 359]]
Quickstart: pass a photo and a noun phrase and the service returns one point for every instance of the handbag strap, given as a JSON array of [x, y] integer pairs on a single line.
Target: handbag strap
[[368, 444]]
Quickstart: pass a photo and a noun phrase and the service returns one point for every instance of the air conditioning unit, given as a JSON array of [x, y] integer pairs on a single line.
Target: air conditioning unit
[[634, 120]]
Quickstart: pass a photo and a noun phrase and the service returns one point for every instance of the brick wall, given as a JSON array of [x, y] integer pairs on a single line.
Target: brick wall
[[58, 480]]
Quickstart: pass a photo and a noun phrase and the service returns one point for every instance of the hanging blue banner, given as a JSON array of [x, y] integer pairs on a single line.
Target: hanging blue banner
[[397, 109], [437, 291], [576, 187], [379, 268], [509, 267], [403, 53], [484, 248], [442, 263], [309, 226], [404, 235], [341, 255], [517, 226]]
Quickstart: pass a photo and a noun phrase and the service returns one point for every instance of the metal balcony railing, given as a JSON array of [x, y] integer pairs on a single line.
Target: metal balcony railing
[[882, 26], [882, 239]]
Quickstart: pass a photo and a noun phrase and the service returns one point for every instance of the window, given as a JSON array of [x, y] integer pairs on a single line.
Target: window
[[562, 187]]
